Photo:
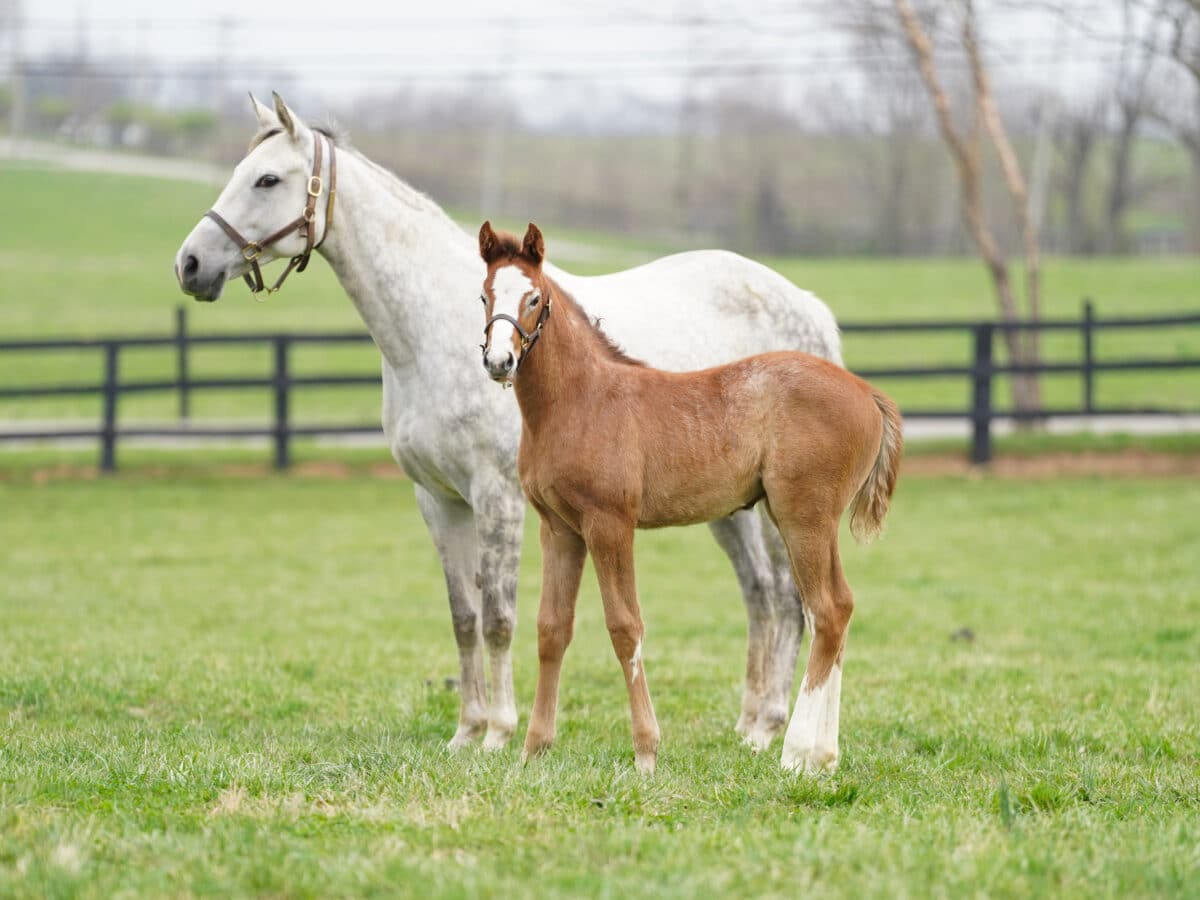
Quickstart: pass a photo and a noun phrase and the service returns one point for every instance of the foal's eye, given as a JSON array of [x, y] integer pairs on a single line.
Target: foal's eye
[[533, 301], [267, 181]]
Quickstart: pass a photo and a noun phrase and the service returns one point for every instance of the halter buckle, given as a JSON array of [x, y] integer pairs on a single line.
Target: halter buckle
[[315, 186], [251, 251]]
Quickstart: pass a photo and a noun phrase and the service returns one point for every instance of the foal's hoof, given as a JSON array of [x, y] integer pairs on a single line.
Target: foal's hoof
[[645, 762], [535, 745], [810, 760]]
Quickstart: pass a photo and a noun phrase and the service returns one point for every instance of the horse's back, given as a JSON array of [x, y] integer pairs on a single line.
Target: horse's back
[[704, 308]]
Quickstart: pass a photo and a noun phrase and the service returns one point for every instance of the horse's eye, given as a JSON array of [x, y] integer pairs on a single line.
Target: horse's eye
[[267, 181], [483, 299], [533, 301]]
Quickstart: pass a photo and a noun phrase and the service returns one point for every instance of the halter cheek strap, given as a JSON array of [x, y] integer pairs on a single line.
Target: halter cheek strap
[[252, 250], [528, 338]]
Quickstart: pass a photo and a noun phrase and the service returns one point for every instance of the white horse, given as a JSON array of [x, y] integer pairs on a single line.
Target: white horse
[[414, 276]]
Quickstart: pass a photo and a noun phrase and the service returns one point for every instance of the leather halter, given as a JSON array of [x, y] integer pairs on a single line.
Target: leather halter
[[252, 250], [528, 338]]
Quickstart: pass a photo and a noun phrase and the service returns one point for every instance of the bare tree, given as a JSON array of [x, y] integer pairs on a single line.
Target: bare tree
[[965, 148], [1182, 19]]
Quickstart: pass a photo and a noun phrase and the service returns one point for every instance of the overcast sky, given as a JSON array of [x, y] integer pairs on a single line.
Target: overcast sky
[[583, 52]]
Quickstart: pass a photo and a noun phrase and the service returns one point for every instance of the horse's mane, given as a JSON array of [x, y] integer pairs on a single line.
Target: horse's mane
[[336, 135]]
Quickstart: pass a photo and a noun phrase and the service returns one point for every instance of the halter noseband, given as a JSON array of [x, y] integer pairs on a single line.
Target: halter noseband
[[252, 250], [528, 339]]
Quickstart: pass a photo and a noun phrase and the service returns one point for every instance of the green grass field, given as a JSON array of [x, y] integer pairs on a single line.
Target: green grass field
[[93, 256], [235, 687]]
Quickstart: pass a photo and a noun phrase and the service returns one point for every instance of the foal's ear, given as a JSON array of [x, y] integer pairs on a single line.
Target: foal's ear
[[489, 243], [533, 247]]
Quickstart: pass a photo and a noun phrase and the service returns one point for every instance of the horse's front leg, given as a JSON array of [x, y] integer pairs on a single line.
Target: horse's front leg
[[451, 523], [499, 521], [610, 542], [563, 554]]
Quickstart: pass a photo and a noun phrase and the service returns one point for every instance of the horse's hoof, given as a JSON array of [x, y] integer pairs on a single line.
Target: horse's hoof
[[810, 760], [465, 736], [645, 762], [497, 738], [745, 724]]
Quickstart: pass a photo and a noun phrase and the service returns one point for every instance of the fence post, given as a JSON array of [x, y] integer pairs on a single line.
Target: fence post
[[181, 361], [108, 428], [282, 456], [981, 399], [1089, 387]]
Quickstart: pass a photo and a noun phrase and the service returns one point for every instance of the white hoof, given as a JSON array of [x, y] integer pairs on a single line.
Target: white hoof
[[498, 738], [810, 760], [645, 762], [465, 736]]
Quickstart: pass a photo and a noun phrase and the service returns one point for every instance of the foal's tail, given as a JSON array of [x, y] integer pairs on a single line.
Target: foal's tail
[[872, 500]]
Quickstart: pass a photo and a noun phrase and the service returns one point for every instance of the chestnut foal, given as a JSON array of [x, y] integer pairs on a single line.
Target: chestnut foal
[[609, 445]]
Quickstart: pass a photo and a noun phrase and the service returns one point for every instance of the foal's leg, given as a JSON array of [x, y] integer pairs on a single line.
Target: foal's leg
[[499, 524], [562, 567], [741, 537], [811, 744], [789, 631], [452, 526], [610, 541]]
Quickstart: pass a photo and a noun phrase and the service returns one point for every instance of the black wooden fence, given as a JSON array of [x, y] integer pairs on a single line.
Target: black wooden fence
[[979, 375]]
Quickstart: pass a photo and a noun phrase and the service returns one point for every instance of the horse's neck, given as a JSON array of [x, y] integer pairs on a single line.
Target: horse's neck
[[409, 270], [555, 376]]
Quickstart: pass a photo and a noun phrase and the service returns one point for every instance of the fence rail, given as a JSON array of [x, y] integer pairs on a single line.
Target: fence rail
[[979, 374]]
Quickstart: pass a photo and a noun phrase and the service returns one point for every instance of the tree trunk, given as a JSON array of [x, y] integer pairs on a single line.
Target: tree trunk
[[1022, 350]]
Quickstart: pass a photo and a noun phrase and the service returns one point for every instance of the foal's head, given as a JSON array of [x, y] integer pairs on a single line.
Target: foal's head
[[516, 298]]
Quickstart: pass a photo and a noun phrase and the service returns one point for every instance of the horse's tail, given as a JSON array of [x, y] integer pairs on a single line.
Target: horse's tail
[[873, 498]]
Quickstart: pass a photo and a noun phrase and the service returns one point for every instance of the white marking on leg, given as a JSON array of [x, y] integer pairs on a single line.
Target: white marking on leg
[[633, 662], [811, 741]]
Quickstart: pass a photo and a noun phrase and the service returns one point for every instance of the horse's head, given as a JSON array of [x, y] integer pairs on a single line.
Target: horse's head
[[275, 202], [516, 298]]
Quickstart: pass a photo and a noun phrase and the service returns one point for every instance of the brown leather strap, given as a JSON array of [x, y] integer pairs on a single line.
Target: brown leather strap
[[251, 250]]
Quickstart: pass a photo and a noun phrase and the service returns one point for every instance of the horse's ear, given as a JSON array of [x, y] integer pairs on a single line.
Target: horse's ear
[[533, 247], [489, 243], [286, 119], [266, 118]]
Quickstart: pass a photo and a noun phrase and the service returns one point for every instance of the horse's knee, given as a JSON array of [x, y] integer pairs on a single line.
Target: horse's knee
[[499, 622], [553, 638], [626, 636], [466, 625]]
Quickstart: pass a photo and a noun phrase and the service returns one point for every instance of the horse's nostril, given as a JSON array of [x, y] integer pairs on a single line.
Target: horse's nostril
[[509, 361], [191, 265]]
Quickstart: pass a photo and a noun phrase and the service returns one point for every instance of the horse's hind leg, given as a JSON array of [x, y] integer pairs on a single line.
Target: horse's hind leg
[[789, 631], [811, 744], [610, 542], [499, 520], [741, 537], [451, 523]]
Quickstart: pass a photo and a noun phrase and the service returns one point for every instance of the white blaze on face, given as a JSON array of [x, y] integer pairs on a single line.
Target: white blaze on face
[[510, 287]]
